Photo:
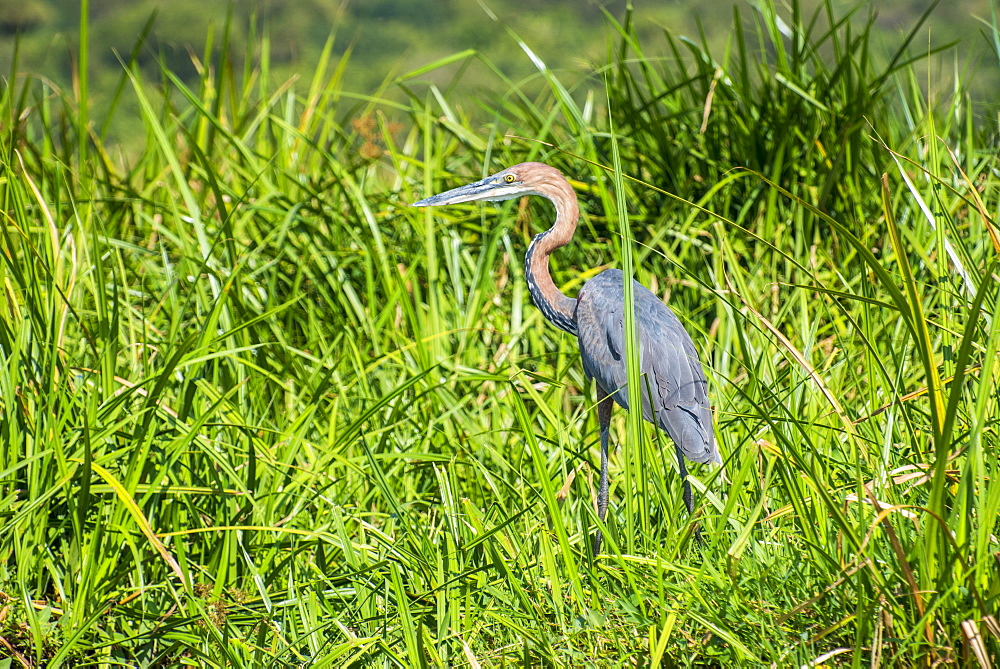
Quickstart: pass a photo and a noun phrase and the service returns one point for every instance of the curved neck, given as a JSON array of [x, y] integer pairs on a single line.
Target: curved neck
[[554, 305]]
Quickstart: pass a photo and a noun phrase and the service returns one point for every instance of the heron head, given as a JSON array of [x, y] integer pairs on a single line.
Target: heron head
[[522, 179]]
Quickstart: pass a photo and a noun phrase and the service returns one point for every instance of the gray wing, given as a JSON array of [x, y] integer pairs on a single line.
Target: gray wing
[[674, 389]]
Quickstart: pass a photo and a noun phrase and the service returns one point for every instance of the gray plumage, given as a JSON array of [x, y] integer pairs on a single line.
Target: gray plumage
[[674, 389]]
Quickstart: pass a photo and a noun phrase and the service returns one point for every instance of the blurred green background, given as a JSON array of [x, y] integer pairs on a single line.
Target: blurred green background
[[385, 38]]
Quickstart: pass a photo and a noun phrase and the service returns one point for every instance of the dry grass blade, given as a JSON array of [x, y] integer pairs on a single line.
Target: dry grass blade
[[787, 345], [975, 641]]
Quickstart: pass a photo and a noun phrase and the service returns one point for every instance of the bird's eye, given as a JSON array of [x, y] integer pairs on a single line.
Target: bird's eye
[[509, 178]]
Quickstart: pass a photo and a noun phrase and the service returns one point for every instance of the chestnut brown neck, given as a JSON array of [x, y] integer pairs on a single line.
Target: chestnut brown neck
[[557, 308]]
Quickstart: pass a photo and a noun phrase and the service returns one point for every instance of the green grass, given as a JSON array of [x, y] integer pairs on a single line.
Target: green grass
[[256, 410]]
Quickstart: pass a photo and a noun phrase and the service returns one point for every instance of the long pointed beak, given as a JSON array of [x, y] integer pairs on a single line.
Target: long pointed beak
[[489, 188]]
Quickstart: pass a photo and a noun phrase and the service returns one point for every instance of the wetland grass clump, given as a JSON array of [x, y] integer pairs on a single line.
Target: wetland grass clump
[[254, 409]]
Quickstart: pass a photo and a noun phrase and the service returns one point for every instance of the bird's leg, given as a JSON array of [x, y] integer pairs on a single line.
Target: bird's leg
[[604, 406], [688, 496]]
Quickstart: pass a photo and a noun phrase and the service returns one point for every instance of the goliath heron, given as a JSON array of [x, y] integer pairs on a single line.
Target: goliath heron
[[674, 389]]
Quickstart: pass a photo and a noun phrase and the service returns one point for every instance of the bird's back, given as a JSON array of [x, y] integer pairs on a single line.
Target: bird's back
[[673, 383]]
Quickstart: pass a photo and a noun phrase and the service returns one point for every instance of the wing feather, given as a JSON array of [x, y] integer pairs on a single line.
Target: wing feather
[[675, 391]]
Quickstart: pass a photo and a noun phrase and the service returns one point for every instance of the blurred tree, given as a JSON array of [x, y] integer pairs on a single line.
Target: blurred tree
[[20, 16], [180, 30], [393, 36]]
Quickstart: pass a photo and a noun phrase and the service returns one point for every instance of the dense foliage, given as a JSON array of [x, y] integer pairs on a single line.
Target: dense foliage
[[254, 409]]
